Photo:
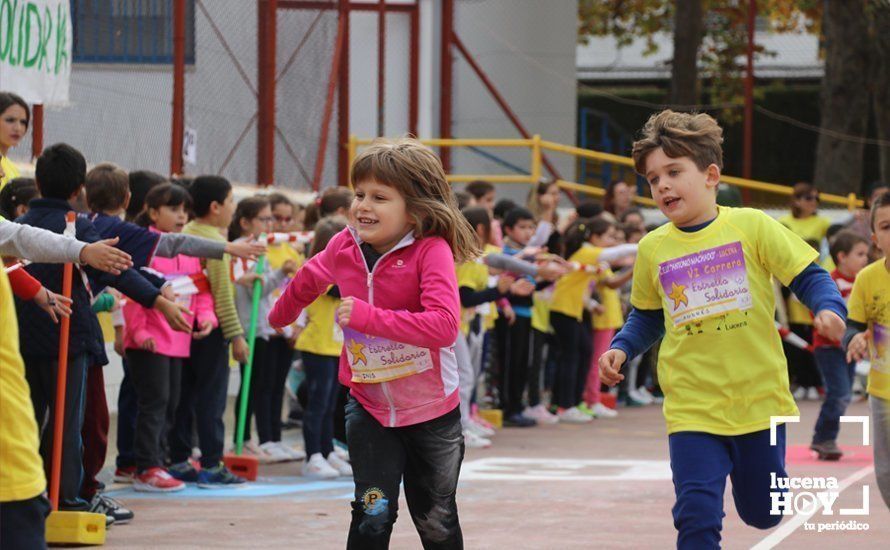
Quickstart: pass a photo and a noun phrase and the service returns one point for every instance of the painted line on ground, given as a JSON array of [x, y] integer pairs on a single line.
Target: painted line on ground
[[250, 490]]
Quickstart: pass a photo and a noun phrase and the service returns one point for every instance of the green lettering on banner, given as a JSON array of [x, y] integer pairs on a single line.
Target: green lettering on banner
[[61, 38], [6, 13], [44, 39], [32, 10], [21, 17]]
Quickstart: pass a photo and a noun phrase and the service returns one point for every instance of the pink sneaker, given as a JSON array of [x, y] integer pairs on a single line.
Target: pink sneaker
[[157, 480]]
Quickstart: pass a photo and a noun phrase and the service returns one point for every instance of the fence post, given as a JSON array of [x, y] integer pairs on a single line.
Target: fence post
[[536, 158], [851, 202], [353, 147]]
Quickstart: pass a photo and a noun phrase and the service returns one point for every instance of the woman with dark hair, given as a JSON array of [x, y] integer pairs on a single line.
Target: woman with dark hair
[[619, 198], [15, 117]]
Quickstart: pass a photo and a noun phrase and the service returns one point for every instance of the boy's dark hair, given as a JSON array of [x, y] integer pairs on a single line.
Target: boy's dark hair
[[882, 201], [479, 188], [476, 216], [17, 192], [8, 99], [205, 190], [833, 230], [463, 199], [844, 242], [696, 136], [107, 187], [502, 207], [589, 209], [141, 182], [247, 209], [278, 198], [60, 171], [517, 215], [325, 230], [165, 194], [630, 212]]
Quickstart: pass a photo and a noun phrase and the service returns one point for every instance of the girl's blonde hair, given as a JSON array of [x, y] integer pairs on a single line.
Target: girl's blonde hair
[[417, 174], [533, 201]]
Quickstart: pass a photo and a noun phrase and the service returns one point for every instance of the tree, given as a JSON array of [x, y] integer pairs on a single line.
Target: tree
[[844, 99], [879, 38], [688, 27]]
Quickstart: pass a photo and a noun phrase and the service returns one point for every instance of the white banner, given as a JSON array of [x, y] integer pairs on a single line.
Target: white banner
[[35, 49]]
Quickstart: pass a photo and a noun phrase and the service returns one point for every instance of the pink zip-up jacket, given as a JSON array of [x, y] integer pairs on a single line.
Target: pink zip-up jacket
[[410, 297], [142, 323]]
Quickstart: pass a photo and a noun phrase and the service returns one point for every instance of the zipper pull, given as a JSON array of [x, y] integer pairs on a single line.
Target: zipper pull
[[370, 277]]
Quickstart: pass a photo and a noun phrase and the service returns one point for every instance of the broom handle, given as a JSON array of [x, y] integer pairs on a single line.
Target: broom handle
[[248, 368], [61, 380]]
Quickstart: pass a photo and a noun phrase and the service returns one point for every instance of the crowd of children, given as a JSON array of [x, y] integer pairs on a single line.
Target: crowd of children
[[410, 309]]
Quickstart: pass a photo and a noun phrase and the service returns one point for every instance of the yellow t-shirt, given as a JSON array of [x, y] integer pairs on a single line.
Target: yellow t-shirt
[[813, 228], [473, 275], [721, 365], [492, 315], [571, 289], [870, 303], [10, 171], [541, 302], [21, 468], [613, 317], [277, 254], [322, 335]]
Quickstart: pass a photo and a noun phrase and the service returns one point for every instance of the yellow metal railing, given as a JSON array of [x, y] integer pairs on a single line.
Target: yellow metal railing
[[537, 146]]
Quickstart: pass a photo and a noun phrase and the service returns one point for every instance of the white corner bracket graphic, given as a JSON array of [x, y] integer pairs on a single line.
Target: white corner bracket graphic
[[864, 421], [776, 420]]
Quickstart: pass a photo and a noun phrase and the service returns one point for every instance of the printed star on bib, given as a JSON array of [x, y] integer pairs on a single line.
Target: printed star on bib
[[358, 352], [678, 295]]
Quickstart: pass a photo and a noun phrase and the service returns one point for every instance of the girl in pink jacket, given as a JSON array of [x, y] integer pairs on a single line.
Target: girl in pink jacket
[[154, 351], [400, 314]]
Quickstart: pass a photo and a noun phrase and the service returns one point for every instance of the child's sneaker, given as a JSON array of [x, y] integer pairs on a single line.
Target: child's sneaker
[[584, 409], [218, 477], [294, 454], [648, 396], [519, 421], [813, 394], [102, 504], [342, 452], [827, 450], [184, 471], [637, 396], [125, 474], [541, 414], [274, 452], [250, 448], [319, 468], [800, 393], [157, 480], [343, 468], [602, 411], [479, 429], [475, 441], [574, 416]]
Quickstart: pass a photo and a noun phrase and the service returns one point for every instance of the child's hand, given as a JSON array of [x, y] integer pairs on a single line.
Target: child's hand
[[167, 292], [598, 309], [553, 269], [105, 257], [522, 287], [857, 349], [249, 249], [248, 279], [173, 313], [148, 345], [344, 311], [206, 327], [509, 315], [504, 282], [55, 305], [119, 341], [830, 325], [609, 365], [289, 268], [240, 349], [115, 302]]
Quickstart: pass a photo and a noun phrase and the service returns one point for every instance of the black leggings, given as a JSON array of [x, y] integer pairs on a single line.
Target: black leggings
[[259, 401], [156, 379], [280, 357], [514, 371], [568, 345]]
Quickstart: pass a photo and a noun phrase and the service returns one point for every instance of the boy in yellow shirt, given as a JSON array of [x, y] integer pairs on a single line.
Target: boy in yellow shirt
[[703, 282], [868, 328]]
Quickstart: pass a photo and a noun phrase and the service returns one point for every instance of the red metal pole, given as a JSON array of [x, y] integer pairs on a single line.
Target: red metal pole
[[329, 104], [381, 66], [500, 100], [266, 49], [414, 70], [343, 99], [749, 98], [36, 130], [178, 123], [447, 68]]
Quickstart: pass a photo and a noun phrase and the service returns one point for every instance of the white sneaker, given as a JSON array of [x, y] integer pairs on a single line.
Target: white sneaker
[[276, 454], [574, 416], [644, 391], [294, 454], [478, 429], [341, 452], [813, 394], [602, 411], [250, 448], [343, 468], [541, 414], [800, 393], [473, 441], [318, 468], [637, 396]]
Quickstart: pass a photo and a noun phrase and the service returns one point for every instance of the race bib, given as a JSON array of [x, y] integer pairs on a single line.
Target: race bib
[[374, 359], [881, 339], [706, 284], [337, 334]]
